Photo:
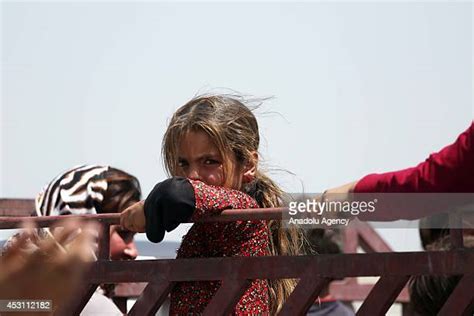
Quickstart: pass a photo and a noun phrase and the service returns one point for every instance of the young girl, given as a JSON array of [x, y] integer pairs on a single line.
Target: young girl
[[211, 150]]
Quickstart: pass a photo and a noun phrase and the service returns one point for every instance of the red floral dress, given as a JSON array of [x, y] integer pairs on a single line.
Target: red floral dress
[[229, 239]]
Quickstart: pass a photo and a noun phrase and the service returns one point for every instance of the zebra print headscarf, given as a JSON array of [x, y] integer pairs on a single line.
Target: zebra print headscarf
[[77, 191]]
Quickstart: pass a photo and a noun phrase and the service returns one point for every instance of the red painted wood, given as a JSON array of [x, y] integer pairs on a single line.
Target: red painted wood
[[46, 221], [304, 294], [152, 298], [332, 266], [358, 292], [17, 207], [226, 297], [351, 239], [369, 240], [461, 300], [104, 242], [456, 235], [121, 303], [391, 266], [382, 295], [114, 218], [78, 302]]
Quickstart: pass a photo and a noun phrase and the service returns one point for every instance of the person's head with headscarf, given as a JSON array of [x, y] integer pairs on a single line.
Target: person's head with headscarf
[[93, 189]]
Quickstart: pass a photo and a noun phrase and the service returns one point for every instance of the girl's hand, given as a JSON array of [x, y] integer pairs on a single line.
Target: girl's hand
[[133, 218]]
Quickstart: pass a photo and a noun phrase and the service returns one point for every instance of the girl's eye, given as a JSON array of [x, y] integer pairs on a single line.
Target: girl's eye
[[182, 163], [211, 162]]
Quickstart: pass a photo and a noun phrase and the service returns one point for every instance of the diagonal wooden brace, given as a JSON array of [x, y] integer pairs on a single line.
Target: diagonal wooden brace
[[227, 297], [152, 297], [383, 295], [461, 300], [305, 293]]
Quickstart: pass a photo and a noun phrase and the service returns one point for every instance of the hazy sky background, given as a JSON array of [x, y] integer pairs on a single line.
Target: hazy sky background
[[358, 87]]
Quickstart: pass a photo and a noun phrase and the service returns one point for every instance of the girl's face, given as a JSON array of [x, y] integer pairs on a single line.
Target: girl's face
[[200, 159]]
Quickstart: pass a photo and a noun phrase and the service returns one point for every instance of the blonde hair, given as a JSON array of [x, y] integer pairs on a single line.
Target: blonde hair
[[234, 129]]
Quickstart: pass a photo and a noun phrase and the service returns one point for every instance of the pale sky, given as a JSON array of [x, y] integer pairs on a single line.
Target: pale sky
[[358, 87]]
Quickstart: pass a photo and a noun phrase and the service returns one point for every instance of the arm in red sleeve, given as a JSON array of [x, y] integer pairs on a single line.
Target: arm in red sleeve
[[178, 200], [449, 170], [211, 200]]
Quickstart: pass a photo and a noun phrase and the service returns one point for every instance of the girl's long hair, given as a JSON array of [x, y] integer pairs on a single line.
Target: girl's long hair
[[234, 129]]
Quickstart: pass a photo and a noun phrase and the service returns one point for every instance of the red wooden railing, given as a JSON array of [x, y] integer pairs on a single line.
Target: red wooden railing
[[314, 272]]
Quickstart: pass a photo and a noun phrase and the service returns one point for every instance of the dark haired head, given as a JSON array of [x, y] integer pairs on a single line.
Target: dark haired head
[[122, 191], [428, 293]]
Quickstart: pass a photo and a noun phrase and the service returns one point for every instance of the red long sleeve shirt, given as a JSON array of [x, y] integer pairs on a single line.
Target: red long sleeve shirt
[[175, 201], [240, 238], [450, 170]]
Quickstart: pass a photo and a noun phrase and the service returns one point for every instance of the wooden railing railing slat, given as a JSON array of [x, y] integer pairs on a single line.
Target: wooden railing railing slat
[[78, 301], [17, 207], [153, 296], [304, 295], [382, 295], [394, 268], [228, 295], [104, 242], [461, 300]]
